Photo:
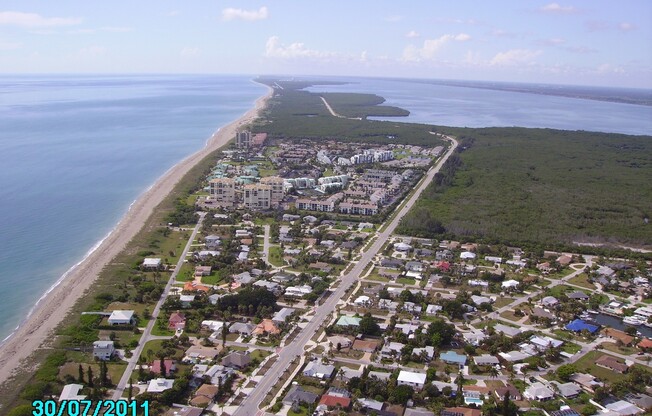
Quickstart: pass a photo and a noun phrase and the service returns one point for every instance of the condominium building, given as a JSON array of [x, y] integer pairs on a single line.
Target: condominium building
[[278, 190], [243, 139], [222, 191], [257, 196]]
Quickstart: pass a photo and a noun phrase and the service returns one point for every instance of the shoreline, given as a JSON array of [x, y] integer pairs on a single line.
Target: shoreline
[[57, 301]]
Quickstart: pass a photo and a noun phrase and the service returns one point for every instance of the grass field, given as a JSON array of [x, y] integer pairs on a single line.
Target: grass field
[[587, 364]]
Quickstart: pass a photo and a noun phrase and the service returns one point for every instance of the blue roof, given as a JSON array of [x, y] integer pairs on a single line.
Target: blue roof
[[579, 325], [452, 357]]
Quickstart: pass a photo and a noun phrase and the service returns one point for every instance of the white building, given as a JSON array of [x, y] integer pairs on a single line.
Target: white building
[[159, 385], [103, 350], [121, 318], [408, 378], [222, 191]]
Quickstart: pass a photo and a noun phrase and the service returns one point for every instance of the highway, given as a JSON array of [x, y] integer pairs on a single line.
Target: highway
[[250, 405]]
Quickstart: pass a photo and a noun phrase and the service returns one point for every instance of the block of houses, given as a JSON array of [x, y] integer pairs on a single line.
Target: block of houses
[[318, 370], [103, 350], [121, 318], [451, 357], [611, 363], [177, 321], [539, 392], [412, 379]]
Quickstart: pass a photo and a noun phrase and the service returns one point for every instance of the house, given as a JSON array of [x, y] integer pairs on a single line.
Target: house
[[283, 278], [611, 363], [152, 263], [242, 328], [281, 316], [71, 392], [391, 263], [243, 278], [159, 385], [418, 411], [579, 325], [646, 343], [509, 331], [318, 370], [370, 404], [486, 359], [121, 318], [298, 291], [177, 321], [339, 341], [643, 401], [618, 336], [363, 301], [103, 350], [170, 367], [474, 338], [380, 375], [624, 408], [451, 357], [335, 401], [514, 356], [543, 343], [427, 352], [201, 271], [365, 345], [409, 378], [298, 395], [568, 390], [549, 302], [237, 359], [266, 326], [509, 284], [204, 395], [479, 300], [414, 266], [586, 381], [538, 391], [433, 309], [467, 255], [460, 411], [270, 286], [402, 247], [578, 295], [186, 300], [212, 241], [392, 350], [348, 321], [514, 393]]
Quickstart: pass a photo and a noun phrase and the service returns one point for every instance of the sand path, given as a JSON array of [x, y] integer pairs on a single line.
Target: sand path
[[51, 310]]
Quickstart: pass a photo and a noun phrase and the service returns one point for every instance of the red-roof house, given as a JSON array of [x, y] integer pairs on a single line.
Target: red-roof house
[[170, 366], [177, 321], [334, 401]]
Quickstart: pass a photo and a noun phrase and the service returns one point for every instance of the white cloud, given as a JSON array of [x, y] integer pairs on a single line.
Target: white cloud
[[241, 14], [514, 57], [610, 69], [412, 34], [556, 8], [33, 20], [8, 46], [626, 27], [552, 42], [431, 47], [275, 49], [189, 52]]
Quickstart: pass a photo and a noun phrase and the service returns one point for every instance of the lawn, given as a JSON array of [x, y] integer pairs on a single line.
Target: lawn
[[215, 277], [613, 347], [587, 364], [502, 301], [405, 281], [276, 256], [582, 280]]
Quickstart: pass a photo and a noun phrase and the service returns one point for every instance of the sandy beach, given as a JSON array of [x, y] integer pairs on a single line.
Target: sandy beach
[[55, 306]]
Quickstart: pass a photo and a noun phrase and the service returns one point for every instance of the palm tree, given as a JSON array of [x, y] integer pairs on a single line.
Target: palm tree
[[493, 372]]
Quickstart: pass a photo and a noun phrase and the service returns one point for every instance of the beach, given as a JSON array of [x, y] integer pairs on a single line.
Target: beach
[[37, 329]]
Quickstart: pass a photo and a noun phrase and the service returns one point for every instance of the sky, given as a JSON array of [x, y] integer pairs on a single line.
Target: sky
[[581, 42]]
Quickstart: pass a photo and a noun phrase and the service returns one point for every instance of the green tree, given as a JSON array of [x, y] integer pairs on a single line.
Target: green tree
[[80, 374], [565, 371], [588, 410], [368, 325], [89, 373]]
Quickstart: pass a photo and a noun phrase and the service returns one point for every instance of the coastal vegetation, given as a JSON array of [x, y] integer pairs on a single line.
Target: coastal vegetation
[[540, 186]]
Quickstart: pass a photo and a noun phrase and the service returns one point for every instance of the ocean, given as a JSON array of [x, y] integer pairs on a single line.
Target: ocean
[[78, 150]]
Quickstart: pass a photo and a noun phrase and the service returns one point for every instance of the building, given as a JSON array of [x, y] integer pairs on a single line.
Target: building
[[358, 208], [222, 192], [237, 359], [103, 350], [243, 139], [152, 263], [579, 325], [121, 318], [266, 326], [318, 370], [451, 357], [538, 391], [514, 393], [409, 378], [71, 392], [177, 321], [460, 411], [257, 196], [280, 316], [611, 363], [278, 190], [297, 395], [568, 390]]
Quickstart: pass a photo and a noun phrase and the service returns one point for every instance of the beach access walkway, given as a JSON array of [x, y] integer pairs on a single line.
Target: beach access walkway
[[147, 333]]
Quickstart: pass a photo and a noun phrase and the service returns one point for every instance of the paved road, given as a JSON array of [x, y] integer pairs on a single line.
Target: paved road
[[147, 334], [249, 406], [266, 245]]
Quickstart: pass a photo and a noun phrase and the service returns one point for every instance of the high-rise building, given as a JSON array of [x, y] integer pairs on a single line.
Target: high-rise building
[[257, 196], [222, 191], [243, 139], [278, 190]]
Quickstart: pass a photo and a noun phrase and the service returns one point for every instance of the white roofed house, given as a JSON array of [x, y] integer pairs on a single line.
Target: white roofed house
[[71, 392], [409, 378], [318, 370], [103, 350], [159, 385], [280, 316], [538, 391], [121, 318], [152, 263]]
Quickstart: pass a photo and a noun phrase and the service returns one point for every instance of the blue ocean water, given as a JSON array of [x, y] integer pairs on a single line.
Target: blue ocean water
[[76, 151], [459, 106]]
